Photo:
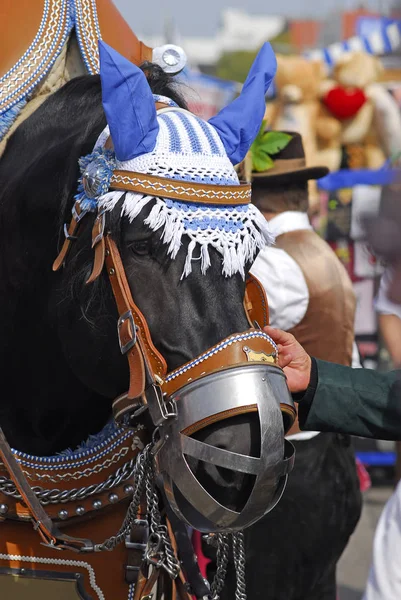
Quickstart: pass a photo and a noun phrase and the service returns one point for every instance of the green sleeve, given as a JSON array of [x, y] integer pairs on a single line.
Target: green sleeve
[[353, 401]]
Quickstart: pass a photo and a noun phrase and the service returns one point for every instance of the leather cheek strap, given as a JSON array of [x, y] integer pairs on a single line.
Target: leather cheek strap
[[99, 246], [70, 235], [144, 360], [255, 302]]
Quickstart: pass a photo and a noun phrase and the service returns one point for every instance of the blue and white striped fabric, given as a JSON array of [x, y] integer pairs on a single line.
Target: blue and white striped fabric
[[384, 40], [188, 149], [184, 132]]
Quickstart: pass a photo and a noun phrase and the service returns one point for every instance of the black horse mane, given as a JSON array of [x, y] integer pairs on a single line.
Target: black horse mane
[[38, 181]]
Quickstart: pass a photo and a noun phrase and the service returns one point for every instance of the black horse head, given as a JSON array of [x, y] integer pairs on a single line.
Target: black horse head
[[60, 354]]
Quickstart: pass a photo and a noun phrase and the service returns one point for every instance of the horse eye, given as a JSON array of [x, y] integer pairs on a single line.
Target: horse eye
[[141, 247]]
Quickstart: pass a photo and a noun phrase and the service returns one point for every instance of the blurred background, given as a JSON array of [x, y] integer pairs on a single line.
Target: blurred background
[[323, 47]]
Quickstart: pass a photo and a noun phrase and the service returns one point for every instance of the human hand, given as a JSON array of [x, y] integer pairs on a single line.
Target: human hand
[[292, 358]]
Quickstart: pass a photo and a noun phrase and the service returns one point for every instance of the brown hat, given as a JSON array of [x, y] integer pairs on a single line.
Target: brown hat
[[289, 165]]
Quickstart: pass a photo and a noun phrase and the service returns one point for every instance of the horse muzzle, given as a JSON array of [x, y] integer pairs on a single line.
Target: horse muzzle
[[234, 390], [238, 376]]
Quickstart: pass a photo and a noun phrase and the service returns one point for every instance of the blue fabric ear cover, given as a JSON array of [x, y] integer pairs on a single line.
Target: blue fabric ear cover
[[238, 123], [128, 104]]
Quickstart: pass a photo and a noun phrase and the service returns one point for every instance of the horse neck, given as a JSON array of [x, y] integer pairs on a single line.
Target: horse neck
[[47, 408]]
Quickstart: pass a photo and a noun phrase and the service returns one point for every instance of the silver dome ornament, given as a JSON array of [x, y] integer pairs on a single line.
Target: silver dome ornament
[[96, 173], [113, 498], [172, 59], [63, 514], [80, 510], [92, 179], [3, 509], [97, 504]]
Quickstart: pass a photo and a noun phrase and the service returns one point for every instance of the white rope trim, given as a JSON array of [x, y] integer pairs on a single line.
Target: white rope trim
[[61, 562], [88, 33], [36, 62], [240, 337]]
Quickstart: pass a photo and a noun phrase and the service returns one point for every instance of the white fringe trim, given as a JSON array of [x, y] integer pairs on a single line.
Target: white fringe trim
[[245, 233]]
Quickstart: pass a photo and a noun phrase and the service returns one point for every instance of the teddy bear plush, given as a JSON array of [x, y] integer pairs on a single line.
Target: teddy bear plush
[[368, 116], [297, 107]]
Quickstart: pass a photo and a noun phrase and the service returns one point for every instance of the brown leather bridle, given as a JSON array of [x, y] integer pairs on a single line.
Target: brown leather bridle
[[147, 367]]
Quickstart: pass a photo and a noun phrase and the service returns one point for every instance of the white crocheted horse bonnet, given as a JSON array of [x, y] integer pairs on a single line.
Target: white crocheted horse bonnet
[[190, 149], [175, 145]]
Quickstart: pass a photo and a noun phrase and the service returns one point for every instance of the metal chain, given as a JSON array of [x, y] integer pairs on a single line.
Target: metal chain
[[142, 468], [159, 532], [57, 496], [239, 564], [221, 566], [159, 551]]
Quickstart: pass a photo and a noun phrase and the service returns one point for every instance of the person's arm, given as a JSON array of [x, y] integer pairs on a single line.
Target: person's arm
[[353, 401], [340, 399], [390, 329], [389, 315]]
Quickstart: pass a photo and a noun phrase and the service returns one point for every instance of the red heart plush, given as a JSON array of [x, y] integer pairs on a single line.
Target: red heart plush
[[343, 103]]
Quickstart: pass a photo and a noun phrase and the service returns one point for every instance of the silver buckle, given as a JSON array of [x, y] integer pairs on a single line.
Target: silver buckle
[[131, 343], [161, 407]]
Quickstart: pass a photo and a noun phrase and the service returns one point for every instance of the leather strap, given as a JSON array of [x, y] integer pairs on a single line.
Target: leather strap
[[186, 191], [47, 530], [136, 546], [160, 105], [135, 340], [99, 246], [179, 584], [70, 235], [179, 536], [145, 585], [256, 304]]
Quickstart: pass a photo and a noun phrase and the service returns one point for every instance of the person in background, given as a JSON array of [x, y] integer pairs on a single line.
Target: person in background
[[309, 294], [385, 572], [361, 402], [389, 317], [384, 237]]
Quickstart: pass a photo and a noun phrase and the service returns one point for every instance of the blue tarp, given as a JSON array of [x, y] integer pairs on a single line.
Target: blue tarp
[[346, 178]]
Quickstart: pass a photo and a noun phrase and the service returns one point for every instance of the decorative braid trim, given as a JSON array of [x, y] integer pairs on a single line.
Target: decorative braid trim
[[67, 461], [60, 562], [88, 33], [162, 188], [38, 59], [235, 338]]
